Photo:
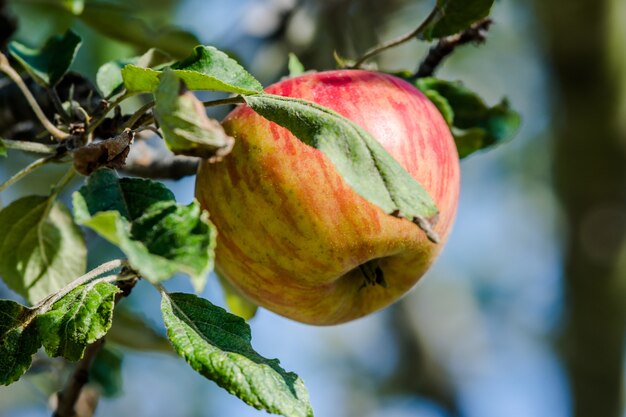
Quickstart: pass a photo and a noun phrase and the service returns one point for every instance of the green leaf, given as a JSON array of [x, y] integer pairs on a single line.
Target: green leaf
[[109, 76], [78, 319], [206, 69], [295, 66], [237, 303], [19, 340], [132, 331], [75, 7], [39, 253], [48, 64], [158, 236], [122, 22], [364, 164], [442, 105], [469, 141], [454, 16], [131, 197], [106, 371], [186, 128], [475, 125], [217, 345], [3, 148], [501, 122]]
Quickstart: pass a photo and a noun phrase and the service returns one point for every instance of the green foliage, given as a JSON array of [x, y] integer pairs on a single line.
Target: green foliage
[[109, 76], [442, 105], [121, 22], [141, 216], [48, 64], [129, 330], [295, 66], [206, 69], [78, 319], [475, 125], [217, 345], [106, 371], [41, 248], [365, 165], [74, 6], [19, 340], [454, 16], [182, 118]]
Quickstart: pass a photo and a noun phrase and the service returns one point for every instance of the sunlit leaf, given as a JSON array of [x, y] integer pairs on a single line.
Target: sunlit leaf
[[109, 76], [78, 319], [217, 345], [206, 69], [295, 66], [141, 216], [40, 252], [186, 128], [237, 303], [74, 6]]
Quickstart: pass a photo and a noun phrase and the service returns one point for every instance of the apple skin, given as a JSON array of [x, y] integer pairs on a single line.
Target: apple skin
[[292, 233]]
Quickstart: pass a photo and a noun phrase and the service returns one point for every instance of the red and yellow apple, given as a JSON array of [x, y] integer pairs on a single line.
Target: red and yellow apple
[[293, 237]]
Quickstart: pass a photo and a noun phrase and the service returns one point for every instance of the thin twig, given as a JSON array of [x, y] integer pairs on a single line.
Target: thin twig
[[25, 171], [69, 396], [15, 77], [92, 127], [26, 146], [475, 34], [137, 115], [47, 302], [58, 105], [146, 163], [397, 41]]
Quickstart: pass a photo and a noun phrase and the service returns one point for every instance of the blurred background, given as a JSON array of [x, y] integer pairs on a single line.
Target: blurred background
[[524, 313]]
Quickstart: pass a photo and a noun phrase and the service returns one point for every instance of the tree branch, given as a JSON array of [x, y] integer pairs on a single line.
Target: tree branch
[[28, 146], [26, 170], [69, 396], [146, 162], [397, 41], [475, 34], [15, 77]]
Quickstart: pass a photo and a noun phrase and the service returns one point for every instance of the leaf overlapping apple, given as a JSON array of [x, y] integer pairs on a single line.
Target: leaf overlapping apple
[[293, 234]]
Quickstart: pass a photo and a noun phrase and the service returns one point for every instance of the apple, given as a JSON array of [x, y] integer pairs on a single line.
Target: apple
[[293, 237]]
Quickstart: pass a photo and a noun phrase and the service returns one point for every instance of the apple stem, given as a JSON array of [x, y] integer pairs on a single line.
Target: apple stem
[[427, 227]]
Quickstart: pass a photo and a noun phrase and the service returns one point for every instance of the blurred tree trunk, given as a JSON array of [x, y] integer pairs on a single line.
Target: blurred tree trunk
[[590, 173]]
